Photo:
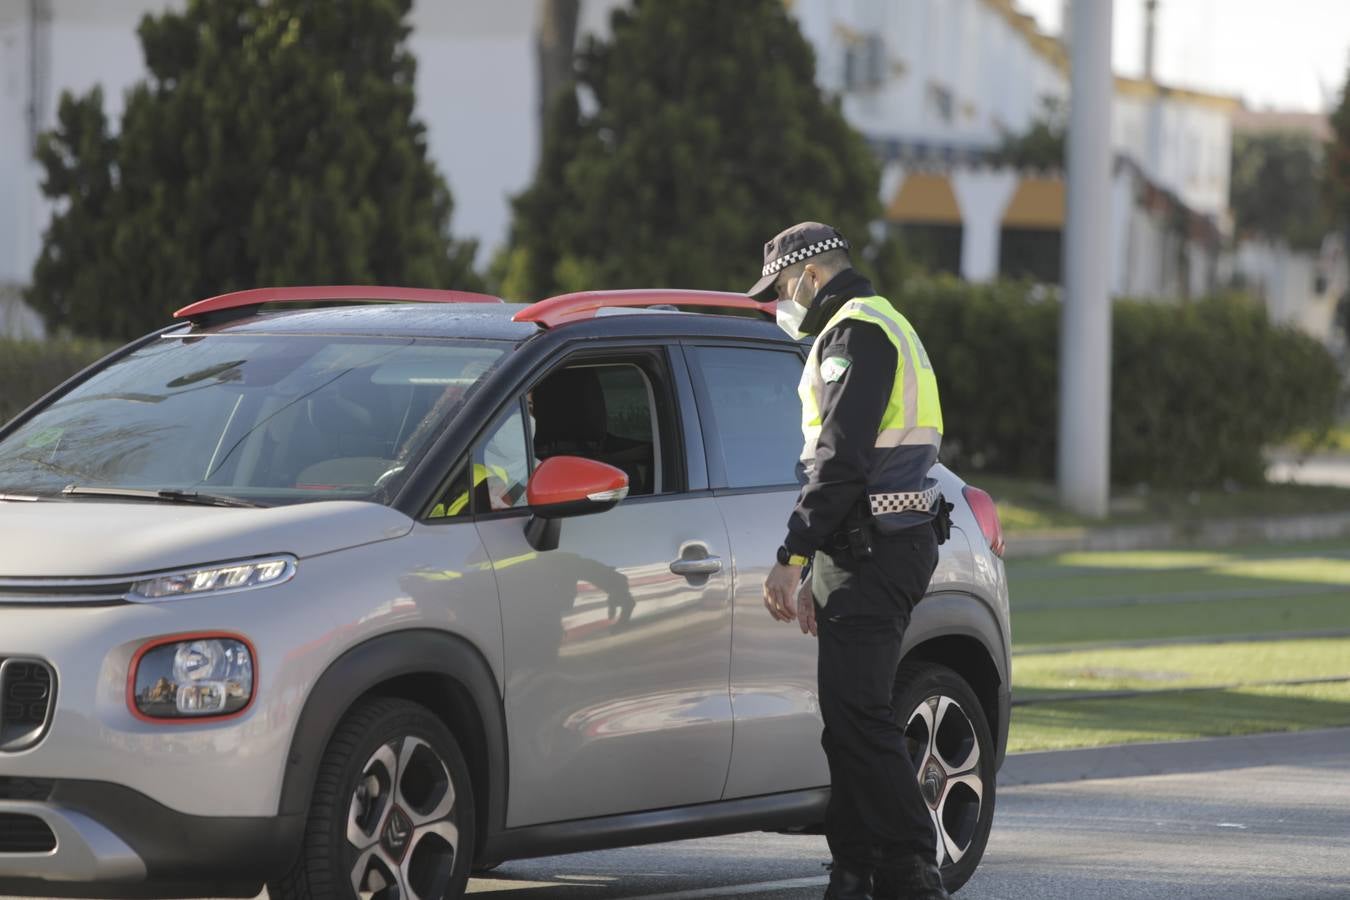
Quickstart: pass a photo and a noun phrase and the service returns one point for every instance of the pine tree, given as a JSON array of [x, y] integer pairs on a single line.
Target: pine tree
[[1338, 188], [1338, 162], [273, 143], [697, 133]]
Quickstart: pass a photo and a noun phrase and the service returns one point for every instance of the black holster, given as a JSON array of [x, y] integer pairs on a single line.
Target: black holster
[[942, 519], [857, 534]]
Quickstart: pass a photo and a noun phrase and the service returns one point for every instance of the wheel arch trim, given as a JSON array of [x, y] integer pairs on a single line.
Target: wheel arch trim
[[937, 624], [383, 661]]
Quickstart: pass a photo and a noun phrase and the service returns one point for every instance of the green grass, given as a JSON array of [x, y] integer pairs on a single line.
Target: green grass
[[1337, 440], [1170, 717], [1171, 596], [1216, 618], [1179, 666], [1161, 595], [1034, 506]]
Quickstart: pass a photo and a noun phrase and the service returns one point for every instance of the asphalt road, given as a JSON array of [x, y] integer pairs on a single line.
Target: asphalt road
[[1252, 818], [1263, 817]]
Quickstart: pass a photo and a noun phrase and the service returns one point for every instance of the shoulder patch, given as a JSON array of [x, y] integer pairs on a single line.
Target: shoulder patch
[[833, 368]]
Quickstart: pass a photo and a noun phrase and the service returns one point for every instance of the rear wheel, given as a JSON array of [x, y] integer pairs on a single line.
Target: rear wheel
[[392, 814], [947, 736]]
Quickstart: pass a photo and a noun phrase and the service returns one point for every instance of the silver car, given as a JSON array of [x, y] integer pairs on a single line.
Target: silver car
[[357, 599]]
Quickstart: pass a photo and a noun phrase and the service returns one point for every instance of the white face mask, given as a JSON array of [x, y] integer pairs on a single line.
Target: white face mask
[[790, 313]]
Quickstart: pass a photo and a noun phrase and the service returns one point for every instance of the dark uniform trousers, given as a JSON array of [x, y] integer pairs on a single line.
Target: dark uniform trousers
[[876, 813]]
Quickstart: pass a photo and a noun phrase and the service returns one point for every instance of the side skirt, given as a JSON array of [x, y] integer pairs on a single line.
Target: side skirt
[[771, 812]]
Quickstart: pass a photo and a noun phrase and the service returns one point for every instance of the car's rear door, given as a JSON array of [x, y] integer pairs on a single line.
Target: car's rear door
[[617, 650], [747, 396]]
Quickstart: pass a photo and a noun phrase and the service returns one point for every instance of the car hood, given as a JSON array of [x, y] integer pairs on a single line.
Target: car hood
[[94, 538]]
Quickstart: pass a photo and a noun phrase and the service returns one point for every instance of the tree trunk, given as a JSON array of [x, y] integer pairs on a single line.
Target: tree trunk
[[554, 44]]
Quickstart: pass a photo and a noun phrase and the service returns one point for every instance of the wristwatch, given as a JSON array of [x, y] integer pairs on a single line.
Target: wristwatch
[[787, 558]]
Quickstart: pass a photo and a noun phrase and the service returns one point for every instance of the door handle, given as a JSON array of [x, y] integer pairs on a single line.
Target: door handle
[[692, 568]]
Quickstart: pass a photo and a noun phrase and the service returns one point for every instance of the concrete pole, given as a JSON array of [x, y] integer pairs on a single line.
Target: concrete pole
[[1085, 331]]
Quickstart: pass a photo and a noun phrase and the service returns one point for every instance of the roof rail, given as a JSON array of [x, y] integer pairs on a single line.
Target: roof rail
[[347, 293], [559, 310]]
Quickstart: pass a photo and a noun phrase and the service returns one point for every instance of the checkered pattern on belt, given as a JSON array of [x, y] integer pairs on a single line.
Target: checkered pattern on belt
[[904, 501]]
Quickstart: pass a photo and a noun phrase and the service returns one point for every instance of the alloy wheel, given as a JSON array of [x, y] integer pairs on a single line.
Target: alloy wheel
[[945, 751], [400, 824]]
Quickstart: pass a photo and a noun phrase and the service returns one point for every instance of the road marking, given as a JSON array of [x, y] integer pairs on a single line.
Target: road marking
[[732, 890], [492, 885]]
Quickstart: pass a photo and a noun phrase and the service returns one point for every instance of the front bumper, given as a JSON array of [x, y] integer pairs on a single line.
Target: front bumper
[[113, 842], [228, 767]]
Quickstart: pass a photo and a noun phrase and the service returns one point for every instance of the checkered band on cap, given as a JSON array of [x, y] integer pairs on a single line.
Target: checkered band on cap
[[782, 262]]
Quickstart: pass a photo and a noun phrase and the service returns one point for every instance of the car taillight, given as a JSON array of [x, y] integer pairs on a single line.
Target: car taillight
[[982, 505]]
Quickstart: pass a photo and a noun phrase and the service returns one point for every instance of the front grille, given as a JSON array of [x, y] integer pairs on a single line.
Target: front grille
[[37, 789], [25, 834], [27, 692], [63, 591]]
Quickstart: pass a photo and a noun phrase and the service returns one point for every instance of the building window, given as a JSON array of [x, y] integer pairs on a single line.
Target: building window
[[865, 63], [941, 103], [1032, 253], [934, 247]]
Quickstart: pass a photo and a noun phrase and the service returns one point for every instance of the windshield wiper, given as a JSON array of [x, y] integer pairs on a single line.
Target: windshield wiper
[[167, 495], [24, 498]]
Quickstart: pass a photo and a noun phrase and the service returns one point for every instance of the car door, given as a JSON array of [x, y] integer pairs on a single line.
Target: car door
[[617, 643], [747, 397]]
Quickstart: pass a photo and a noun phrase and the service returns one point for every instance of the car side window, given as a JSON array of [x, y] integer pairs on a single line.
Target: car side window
[[498, 475], [750, 395], [607, 412]]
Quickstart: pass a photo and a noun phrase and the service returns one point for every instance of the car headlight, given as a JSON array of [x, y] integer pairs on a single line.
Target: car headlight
[[237, 576], [192, 677]]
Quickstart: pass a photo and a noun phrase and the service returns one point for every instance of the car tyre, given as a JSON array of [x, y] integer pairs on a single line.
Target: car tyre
[[392, 812], [948, 740]]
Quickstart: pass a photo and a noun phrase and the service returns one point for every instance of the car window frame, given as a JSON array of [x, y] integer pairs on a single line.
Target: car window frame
[[718, 480], [670, 381]]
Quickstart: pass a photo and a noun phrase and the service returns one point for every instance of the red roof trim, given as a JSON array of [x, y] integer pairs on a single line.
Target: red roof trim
[[583, 305], [342, 292]]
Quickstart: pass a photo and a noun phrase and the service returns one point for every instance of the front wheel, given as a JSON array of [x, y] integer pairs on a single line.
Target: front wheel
[[392, 814], [947, 737]]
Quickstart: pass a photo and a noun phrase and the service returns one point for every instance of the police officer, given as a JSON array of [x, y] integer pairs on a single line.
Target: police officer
[[864, 529]]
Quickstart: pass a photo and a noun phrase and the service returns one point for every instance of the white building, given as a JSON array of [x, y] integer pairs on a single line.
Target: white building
[[938, 85], [934, 84]]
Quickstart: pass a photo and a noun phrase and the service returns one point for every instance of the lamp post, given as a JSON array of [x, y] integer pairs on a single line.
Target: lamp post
[[1085, 330]]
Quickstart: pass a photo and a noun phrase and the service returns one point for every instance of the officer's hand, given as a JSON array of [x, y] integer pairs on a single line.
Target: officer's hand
[[780, 590], [806, 609]]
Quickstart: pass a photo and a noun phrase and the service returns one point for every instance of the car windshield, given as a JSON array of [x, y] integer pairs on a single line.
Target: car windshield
[[270, 419]]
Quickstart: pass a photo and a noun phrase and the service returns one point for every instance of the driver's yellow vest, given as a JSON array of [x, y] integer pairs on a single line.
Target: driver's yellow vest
[[458, 506], [910, 435]]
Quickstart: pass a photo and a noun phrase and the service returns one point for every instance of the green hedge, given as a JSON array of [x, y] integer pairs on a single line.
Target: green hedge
[[28, 369], [1197, 389]]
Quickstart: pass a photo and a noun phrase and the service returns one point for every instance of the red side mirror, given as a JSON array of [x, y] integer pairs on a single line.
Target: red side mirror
[[569, 486], [574, 481]]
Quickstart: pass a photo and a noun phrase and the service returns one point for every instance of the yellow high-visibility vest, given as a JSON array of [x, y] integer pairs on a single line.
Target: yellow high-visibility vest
[[910, 435], [460, 505]]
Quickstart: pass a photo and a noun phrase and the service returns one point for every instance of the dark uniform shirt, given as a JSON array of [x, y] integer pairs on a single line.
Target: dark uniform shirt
[[851, 411]]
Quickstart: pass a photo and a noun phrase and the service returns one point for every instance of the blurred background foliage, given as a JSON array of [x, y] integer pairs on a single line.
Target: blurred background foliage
[[1276, 191], [1197, 389], [695, 134], [29, 369], [272, 144], [276, 143]]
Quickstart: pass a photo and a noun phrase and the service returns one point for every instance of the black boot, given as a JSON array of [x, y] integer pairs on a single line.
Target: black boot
[[911, 878], [848, 884]]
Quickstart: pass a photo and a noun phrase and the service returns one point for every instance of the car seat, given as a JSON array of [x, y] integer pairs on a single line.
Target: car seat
[[571, 418]]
